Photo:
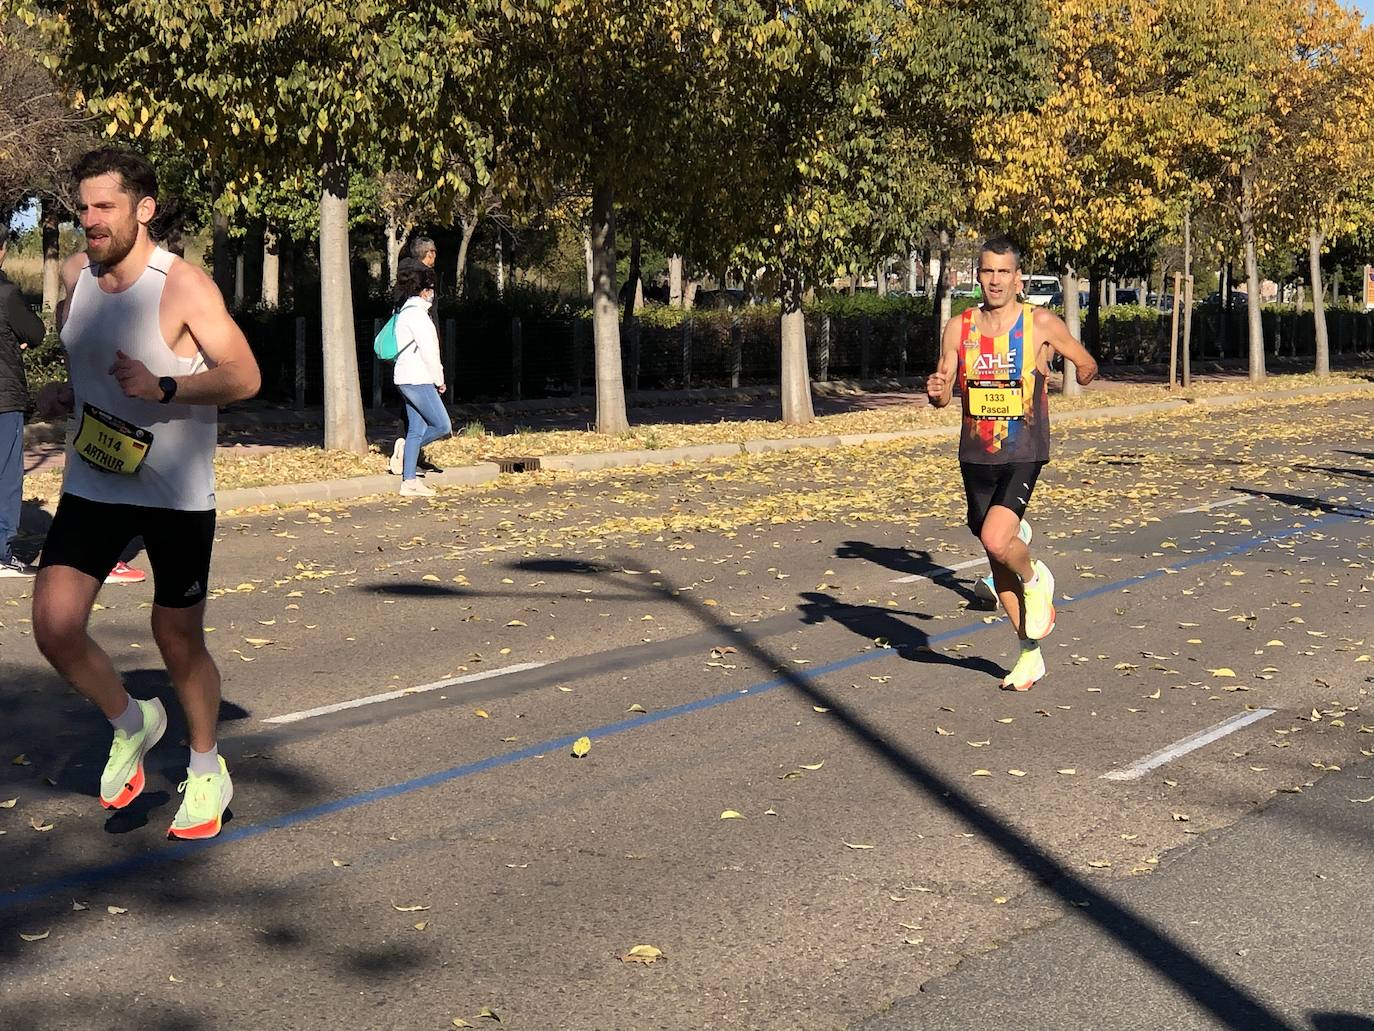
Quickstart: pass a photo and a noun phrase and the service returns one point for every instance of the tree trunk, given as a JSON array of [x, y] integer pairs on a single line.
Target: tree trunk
[[1092, 336], [52, 266], [239, 291], [882, 278], [796, 377], [343, 399], [689, 294], [587, 254], [271, 266], [1252, 301], [675, 280], [222, 268], [1186, 348], [636, 294], [611, 416], [460, 275], [913, 262], [396, 232], [1068, 284], [942, 305], [500, 264], [1315, 240]]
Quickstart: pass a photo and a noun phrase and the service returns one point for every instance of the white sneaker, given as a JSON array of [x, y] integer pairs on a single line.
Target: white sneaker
[[16, 567], [417, 489], [396, 464]]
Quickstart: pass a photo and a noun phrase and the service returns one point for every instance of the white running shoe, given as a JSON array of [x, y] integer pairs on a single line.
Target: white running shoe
[[396, 464]]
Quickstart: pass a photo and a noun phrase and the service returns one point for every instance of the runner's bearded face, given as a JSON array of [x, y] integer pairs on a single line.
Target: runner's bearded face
[[1000, 278], [110, 218]]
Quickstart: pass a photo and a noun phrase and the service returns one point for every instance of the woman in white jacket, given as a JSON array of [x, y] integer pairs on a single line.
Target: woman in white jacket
[[419, 375]]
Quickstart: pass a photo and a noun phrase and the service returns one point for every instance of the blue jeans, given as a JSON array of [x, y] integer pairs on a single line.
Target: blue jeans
[[11, 477], [426, 421]]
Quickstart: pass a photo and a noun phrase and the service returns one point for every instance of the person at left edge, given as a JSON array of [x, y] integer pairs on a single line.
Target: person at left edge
[[19, 329], [151, 348]]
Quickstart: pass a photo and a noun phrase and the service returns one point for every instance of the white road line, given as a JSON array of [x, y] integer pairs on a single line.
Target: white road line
[[1216, 504], [324, 710], [1140, 767], [940, 571]]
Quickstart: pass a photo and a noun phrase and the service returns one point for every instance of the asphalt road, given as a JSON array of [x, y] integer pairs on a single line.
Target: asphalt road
[[771, 636]]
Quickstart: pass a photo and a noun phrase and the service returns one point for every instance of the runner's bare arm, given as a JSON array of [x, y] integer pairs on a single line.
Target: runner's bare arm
[[194, 302], [940, 384], [1050, 329]]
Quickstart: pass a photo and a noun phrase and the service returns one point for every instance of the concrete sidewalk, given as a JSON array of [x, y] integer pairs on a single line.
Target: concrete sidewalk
[[284, 428]]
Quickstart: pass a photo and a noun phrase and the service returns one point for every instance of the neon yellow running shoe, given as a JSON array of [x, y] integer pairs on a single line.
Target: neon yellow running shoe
[[123, 779], [203, 802], [1039, 603], [1029, 668]]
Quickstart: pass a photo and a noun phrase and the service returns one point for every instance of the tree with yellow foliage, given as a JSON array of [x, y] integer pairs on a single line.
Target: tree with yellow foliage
[[1084, 179], [1318, 184]]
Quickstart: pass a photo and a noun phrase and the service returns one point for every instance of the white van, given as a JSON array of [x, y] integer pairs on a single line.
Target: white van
[[1039, 289]]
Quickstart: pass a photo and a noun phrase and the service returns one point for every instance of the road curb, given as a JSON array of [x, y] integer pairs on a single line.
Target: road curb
[[346, 489], [756, 447], [488, 472], [617, 459]]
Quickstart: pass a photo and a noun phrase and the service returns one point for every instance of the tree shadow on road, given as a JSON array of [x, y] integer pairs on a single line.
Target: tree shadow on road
[[1341, 1022], [1309, 503], [1230, 1004]]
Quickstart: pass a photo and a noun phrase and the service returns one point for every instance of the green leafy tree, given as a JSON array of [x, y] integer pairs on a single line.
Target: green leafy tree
[[346, 86]]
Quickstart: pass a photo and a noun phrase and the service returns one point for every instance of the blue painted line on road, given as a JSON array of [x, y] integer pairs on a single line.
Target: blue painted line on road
[[173, 853]]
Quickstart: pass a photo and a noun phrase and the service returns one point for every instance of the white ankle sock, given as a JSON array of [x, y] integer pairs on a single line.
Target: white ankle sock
[[1035, 575], [131, 719], [203, 763]]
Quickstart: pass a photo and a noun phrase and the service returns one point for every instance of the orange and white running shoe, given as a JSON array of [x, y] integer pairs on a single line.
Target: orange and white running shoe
[[203, 802], [123, 573]]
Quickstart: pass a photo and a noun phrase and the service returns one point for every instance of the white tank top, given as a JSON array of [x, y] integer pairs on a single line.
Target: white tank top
[[178, 472]]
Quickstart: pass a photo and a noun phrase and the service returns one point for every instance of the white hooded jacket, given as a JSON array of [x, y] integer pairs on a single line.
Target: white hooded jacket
[[417, 343]]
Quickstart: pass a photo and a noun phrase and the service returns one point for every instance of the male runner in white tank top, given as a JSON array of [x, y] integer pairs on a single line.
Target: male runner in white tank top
[[151, 352]]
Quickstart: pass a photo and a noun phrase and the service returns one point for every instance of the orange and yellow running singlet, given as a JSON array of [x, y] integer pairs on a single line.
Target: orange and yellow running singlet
[[1006, 410]]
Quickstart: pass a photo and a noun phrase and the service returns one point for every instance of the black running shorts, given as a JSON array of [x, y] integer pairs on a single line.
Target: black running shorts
[[1009, 484], [90, 536]]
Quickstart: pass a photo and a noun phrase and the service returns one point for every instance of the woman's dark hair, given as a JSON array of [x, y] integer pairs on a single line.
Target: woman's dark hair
[[138, 178], [410, 280]]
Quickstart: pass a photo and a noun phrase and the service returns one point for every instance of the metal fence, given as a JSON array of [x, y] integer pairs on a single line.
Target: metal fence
[[502, 359]]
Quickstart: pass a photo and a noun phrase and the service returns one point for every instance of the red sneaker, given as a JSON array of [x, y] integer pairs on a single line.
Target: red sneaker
[[123, 573]]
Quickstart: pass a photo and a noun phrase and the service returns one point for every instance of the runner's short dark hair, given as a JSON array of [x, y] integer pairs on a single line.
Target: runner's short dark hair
[[1002, 244], [136, 174]]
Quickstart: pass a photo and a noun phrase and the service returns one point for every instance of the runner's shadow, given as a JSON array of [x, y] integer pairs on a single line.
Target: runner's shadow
[[907, 562], [136, 813], [882, 625]]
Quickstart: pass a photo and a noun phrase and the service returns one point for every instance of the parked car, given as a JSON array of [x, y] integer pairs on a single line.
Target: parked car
[[721, 299], [1039, 289], [1057, 299]]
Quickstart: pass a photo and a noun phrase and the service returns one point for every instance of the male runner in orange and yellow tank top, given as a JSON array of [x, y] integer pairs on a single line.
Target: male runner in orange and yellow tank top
[[1000, 353]]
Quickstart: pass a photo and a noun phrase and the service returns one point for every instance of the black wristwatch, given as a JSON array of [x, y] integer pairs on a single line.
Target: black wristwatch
[[169, 388]]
